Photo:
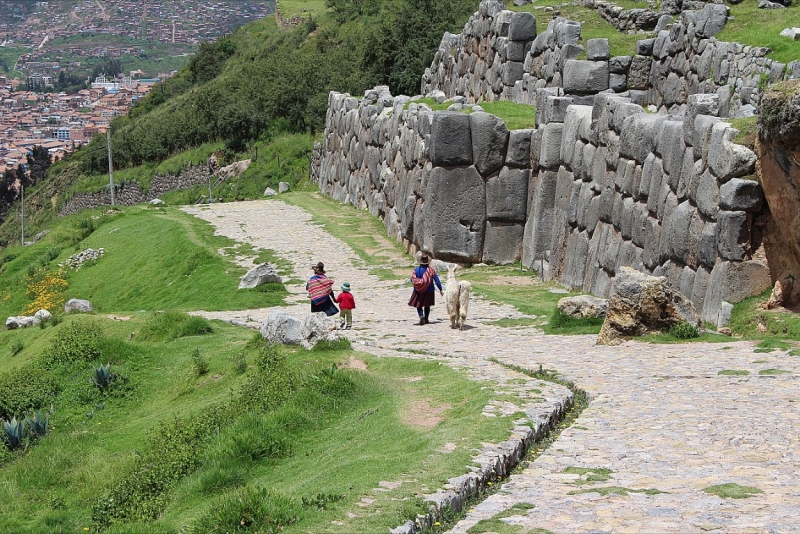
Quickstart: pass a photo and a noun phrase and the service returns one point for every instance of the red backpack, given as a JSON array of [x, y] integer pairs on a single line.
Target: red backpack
[[422, 284]]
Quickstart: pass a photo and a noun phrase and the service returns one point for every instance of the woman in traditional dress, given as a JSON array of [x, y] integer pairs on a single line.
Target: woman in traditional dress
[[424, 296], [320, 291]]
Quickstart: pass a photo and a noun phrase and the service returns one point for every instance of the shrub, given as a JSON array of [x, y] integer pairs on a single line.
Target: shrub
[[199, 362], [272, 384], [340, 344], [249, 509], [78, 341], [239, 363], [684, 330], [174, 449], [25, 390], [253, 438], [166, 326], [16, 347]]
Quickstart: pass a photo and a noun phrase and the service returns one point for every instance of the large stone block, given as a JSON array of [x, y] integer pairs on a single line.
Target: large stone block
[[597, 49], [576, 121], [489, 142], [455, 213], [503, 242], [733, 281], [698, 104], [519, 148], [707, 196], [671, 148], [727, 159], [512, 71], [522, 27], [585, 77], [451, 140], [550, 148], [733, 235], [741, 195], [639, 72], [541, 218], [507, 195], [710, 20]]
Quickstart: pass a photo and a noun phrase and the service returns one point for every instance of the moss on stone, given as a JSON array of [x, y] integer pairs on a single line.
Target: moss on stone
[[779, 114]]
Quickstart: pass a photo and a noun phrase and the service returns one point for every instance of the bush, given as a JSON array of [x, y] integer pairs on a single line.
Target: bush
[[199, 362], [166, 326], [16, 347], [25, 390], [272, 384], [175, 448], [253, 438], [249, 509], [102, 377], [239, 363], [684, 330], [78, 341]]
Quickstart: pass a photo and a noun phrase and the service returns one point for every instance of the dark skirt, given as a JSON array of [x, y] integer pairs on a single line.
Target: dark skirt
[[422, 300], [326, 306]]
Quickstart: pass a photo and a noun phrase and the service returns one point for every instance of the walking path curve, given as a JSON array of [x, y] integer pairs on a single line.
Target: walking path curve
[[661, 417]]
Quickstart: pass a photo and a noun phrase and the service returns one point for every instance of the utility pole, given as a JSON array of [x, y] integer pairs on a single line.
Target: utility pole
[[110, 165], [22, 211]]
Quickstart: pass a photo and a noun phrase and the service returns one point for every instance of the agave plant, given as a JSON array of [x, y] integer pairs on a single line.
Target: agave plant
[[38, 424], [14, 435], [103, 376]]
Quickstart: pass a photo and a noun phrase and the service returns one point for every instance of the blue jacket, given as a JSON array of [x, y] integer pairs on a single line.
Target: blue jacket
[[420, 270]]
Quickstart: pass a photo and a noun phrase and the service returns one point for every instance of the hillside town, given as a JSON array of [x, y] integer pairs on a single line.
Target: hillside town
[[61, 122]]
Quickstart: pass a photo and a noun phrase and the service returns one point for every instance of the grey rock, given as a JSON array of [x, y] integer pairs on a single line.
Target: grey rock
[[733, 235], [507, 195], [644, 47], [451, 141], [283, 187], [259, 275], [489, 141], [269, 192], [619, 64], [597, 49], [707, 251], [550, 148], [503, 244], [583, 306], [522, 27], [639, 72], [707, 196], [43, 315], [567, 32], [617, 82], [583, 77], [519, 148], [78, 305], [727, 159], [455, 212], [280, 327], [22, 321], [741, 195], [766, 4], [710, 20]]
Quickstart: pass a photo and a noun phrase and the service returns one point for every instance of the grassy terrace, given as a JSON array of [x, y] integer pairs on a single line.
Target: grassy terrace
[[516, 116]]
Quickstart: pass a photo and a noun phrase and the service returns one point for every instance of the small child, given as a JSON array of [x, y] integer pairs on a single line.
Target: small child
[[347, 303]]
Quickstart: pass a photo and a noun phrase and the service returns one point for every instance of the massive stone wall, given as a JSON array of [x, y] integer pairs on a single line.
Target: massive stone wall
[[612, 186], [617, 186], [130, 193], [490, 60], [451, 183]]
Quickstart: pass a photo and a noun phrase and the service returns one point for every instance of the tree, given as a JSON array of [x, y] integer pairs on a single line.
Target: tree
[[38, 163]]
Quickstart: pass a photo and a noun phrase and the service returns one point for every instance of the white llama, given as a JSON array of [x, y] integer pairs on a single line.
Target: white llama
[[457, 298]]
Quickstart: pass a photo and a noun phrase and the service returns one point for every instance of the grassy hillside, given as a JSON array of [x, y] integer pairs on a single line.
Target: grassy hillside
[[204, 425]]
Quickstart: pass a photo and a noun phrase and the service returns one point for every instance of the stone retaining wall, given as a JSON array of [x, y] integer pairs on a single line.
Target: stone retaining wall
[[451, 183], [492, 60], [612, 186], [129, 193]]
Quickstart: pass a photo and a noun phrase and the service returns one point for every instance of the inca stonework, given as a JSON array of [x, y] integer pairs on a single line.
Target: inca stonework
[[599, 184]]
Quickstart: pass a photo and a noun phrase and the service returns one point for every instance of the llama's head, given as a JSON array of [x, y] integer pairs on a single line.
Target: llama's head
[[451, 271]]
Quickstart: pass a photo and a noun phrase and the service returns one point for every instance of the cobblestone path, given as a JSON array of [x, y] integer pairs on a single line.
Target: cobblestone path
[[662, 420]]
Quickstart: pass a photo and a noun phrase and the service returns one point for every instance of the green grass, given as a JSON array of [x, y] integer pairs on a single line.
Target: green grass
[[302, 8], [516, 116], [565, 325], [176, 267], [733, 372], [9, 56], [90, 452], [365, 234], [616, 490], [752, 26], [773, 372], [588, 474], [732, 491], [593, 26]]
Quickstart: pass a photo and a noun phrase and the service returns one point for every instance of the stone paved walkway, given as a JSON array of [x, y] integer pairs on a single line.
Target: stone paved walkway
[[660, 417]]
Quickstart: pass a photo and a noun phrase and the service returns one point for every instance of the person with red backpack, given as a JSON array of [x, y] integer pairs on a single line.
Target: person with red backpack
[[424, 295]]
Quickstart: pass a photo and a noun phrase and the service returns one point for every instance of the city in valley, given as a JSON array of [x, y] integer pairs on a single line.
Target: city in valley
[[56, 90]]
